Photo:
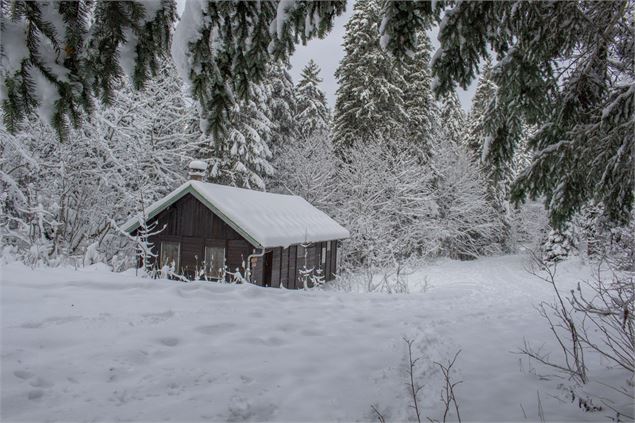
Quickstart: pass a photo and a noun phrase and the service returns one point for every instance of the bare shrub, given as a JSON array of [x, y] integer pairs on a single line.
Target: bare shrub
[[414, 387], [447, 394], [596, 316]]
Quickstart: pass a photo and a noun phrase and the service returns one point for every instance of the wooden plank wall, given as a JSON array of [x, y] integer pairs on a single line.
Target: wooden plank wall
[[193, 225]]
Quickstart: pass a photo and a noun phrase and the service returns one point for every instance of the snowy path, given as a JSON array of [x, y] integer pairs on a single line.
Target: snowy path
[[97, 346]]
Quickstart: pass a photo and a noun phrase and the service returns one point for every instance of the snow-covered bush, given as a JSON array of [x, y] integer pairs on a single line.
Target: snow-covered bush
[[59, 198], [558, 245], [602, 240], [468, 225], [385, 199]]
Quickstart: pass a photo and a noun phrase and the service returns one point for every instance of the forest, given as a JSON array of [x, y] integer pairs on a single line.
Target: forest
[[105, 104]]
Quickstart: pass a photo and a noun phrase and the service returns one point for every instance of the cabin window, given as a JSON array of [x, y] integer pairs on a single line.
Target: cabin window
[[323, 255], [170, 254], [214, 262]]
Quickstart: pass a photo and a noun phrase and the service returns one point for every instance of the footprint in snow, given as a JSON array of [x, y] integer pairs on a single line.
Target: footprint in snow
[[41, 383], [312, 332], [35, 394], [169, 341], [216, 329], [23, 374]]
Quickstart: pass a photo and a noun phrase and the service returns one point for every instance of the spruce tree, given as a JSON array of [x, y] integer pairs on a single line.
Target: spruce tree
[[370, 98], [484, 96], [422, 125], [574, 83], [281, 102], [313, 115], [306, 166], [452, 119], [240, 155]]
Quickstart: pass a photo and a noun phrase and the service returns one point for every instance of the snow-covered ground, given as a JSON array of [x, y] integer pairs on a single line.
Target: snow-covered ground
[[90, 345]]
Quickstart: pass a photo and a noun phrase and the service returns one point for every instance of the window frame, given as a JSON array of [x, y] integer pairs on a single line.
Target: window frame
[[177, 265], [208, 274]]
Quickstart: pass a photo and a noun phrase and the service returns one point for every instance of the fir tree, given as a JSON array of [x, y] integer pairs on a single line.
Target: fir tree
[[313, 115], [306, 166], [422, 125], [281, 102], [452, 119], [240, 155], [370, 98], [575, 84]]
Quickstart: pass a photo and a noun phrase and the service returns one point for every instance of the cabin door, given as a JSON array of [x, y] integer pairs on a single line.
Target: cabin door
[[266, 270]]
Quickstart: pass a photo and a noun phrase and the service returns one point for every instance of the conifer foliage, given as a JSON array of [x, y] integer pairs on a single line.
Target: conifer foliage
[[575, 84], [306, 165], [313, 115], [57, 56], [370, 97]]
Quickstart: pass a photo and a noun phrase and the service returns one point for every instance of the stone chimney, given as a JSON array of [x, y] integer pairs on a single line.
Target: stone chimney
[[197, 170]]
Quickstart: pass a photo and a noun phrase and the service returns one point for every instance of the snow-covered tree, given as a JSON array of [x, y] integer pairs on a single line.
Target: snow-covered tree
[[63, 197], [221, 48], [558, 244], [574, 84], [307, 168], [386, 200], [422, 126], [282, 106], [306, 165], [484, 95], [468, 224], [313, 115], [240, 156], [452, 119], [58, 56], [370, 97]]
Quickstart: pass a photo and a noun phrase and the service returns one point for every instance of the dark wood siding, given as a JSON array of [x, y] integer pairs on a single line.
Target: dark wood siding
[[275, 268], [193, 225], [284, 264], [333, 260], [292, 266]]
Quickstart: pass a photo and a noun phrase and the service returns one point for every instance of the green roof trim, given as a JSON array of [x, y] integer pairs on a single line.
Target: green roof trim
[[188, 189]]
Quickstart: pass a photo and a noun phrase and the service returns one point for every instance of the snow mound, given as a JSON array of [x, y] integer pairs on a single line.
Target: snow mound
[[111, 347]]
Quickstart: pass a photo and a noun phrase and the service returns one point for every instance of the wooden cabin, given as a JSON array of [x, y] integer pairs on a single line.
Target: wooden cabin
[[212, 231]]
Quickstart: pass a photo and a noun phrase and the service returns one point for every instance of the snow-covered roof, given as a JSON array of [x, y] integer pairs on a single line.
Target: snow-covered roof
[[266, 220], [198, 165]]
